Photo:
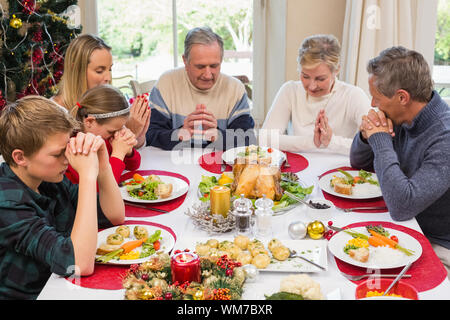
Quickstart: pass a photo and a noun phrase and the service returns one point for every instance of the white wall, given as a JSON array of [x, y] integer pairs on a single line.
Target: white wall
[[305, 18]]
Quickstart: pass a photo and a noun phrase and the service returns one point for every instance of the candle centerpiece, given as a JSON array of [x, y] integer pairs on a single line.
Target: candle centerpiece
[[220, 200], [185, 266]]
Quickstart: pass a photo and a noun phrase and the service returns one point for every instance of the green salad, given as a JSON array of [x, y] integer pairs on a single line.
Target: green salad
[[144, 190], [296, 189]]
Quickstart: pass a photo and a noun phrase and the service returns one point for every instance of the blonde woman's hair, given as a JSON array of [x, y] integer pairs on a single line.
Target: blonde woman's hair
[[99, 100], [27, 124], [320, 48], [74, 80]]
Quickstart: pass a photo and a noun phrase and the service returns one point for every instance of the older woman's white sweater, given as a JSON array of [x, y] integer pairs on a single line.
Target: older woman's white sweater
[[289, 124]]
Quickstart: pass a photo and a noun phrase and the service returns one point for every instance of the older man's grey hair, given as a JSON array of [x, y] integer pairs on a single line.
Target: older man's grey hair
[[201, 35], [400, 68]]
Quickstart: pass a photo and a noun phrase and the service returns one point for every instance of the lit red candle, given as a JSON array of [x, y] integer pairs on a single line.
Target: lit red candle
[[185, 266]]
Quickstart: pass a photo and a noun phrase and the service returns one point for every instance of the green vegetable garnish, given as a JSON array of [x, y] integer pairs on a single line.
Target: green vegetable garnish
[[284, 296]]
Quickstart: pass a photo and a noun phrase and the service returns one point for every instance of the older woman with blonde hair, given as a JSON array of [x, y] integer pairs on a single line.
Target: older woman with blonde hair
[[324, 112], [87, 64]]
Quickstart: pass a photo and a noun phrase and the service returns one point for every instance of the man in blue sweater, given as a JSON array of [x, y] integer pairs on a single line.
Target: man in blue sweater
[[407, 142]]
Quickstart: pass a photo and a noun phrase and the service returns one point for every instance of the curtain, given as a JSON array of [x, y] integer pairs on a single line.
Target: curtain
[[269, 54], [89, 16], [371, 26]]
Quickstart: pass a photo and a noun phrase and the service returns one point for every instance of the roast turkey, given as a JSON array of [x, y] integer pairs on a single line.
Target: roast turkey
[[254, 179]]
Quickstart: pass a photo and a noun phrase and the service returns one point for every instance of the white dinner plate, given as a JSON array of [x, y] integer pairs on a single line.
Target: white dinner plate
[[180, 187], [314, 250], [167, 242], [376, 261], [277, 156], [360, 191]]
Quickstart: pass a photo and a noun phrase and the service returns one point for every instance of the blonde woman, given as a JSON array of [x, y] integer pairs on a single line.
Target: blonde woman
[[87, 64], [103, 111], [325, 113]]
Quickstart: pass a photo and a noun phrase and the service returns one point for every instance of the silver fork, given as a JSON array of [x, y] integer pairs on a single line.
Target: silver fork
[[286, 162], [362, 208], [373, 275]]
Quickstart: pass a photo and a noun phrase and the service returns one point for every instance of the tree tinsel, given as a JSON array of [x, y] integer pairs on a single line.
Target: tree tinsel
[[34, 37]]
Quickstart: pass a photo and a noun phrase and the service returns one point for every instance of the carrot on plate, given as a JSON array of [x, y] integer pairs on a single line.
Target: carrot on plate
[[391, 243], [133, 244], [138, 177], [376, 242]]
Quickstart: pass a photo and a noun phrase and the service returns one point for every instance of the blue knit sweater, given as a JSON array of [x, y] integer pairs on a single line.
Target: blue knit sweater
[[414, 169]]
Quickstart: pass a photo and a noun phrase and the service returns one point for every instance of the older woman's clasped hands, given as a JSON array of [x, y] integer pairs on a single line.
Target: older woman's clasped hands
[[322, 130]]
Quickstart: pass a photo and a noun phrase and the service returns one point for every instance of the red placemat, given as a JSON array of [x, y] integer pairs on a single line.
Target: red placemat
[[133, 211], [345, 203], [212, 162], [108, 276], [427, 272]]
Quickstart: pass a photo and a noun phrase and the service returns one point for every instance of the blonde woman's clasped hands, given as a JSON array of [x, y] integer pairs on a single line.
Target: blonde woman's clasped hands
[[322, 130]]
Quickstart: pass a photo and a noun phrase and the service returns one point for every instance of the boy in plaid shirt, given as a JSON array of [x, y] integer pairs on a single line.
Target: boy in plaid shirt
[[47, 224]]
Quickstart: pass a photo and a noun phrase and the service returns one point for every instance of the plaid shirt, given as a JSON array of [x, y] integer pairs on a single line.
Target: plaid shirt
[[35, 233]]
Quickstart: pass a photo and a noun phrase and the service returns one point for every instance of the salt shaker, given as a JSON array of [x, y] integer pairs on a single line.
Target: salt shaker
[[264, 215], [243, 212]]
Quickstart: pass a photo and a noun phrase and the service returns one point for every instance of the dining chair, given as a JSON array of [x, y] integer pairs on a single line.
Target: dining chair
[[247, 84], [122, 84], [141, 87]]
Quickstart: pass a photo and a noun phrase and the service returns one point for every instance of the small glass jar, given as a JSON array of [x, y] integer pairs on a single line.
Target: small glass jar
[[243, 214], [264, 214]]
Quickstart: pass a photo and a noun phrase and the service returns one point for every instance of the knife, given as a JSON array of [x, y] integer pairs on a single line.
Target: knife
[[337, 229], [145, 207]]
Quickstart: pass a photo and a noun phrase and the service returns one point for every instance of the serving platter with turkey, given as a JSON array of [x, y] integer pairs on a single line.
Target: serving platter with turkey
[[254, 178]]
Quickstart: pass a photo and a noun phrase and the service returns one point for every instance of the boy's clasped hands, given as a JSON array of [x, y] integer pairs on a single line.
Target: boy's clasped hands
[[87, 154]]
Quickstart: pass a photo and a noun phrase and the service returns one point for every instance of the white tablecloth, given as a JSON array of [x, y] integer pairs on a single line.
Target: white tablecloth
[[333, 284]]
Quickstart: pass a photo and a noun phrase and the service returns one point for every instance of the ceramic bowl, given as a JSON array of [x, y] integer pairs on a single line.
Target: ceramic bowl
[[405, 290], [320, 214]]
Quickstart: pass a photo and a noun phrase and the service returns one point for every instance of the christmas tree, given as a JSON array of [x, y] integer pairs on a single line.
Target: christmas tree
[[34, 36]]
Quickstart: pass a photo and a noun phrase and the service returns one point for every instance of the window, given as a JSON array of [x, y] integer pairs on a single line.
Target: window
[[147, 37], [441, 68]]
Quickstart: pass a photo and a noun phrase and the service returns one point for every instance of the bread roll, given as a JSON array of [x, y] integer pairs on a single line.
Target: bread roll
[[164, 190], [107, 248]]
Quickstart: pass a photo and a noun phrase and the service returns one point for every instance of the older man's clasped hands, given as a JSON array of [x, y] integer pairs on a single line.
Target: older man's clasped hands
[[376, 121]]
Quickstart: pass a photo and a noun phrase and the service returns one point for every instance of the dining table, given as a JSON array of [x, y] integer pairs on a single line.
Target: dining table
[[333, 282]]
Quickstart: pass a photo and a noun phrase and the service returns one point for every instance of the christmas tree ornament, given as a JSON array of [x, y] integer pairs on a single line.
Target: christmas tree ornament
[[251, 272], [73, 15], [297, 230], [316, 229], [15, 22], [198, 295]]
